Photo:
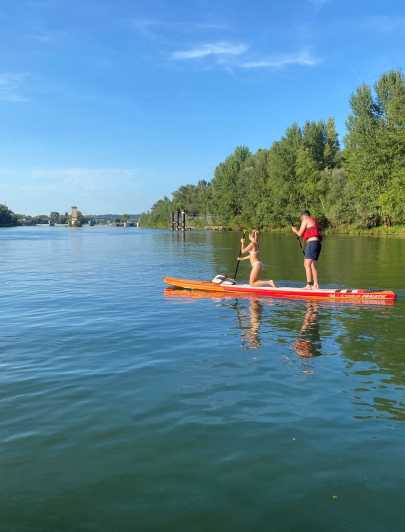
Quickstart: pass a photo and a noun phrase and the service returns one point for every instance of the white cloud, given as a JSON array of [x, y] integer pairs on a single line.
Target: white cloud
[[303, 58], [11, 85], [216, 49]]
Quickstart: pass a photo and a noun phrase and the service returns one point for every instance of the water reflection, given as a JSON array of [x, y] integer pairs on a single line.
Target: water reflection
[[360, 334], [249, 319], [308, 342]]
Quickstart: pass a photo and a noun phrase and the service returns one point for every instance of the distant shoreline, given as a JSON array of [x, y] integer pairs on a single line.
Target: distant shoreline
[[397, 230]]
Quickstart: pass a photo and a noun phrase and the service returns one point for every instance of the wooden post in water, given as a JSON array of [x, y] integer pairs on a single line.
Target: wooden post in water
[[178, 220]]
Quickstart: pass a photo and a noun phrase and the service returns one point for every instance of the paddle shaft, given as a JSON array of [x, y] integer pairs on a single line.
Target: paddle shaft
[[237, 260], [298, 238]]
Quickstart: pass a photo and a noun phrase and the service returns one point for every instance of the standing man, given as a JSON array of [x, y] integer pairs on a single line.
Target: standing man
[[310, 232]]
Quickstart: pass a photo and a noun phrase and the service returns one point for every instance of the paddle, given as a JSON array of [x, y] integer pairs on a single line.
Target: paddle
[[298, 238], [237, 260]]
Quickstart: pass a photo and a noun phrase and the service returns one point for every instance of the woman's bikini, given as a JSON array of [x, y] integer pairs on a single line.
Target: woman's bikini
[[254, 257]]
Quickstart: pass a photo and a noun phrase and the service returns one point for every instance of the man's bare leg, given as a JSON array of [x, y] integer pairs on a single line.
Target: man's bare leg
[[314, 274], [308, 273]]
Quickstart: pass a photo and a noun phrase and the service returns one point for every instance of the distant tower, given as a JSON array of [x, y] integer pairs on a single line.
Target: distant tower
[[75, 217]]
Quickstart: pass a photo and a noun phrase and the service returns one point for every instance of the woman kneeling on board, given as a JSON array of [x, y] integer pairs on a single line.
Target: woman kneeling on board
[[310, 232], [253, 255]]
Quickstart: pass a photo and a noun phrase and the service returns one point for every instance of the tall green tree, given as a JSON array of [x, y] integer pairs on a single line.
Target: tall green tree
[[286, 195], [314, 141], [227, 192], [331, 152], [375, 153]]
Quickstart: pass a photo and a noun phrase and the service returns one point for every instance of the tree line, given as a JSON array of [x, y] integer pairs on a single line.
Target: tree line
[[361, 184]]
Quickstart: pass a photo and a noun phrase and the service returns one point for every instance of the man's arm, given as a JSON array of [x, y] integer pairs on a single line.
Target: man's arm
[[299, 232]]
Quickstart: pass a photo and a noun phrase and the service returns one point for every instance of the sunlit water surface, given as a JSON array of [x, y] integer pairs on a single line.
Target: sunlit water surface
[[126, 408]]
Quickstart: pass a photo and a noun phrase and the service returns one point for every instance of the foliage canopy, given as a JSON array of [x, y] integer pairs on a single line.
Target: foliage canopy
[[362, 185]]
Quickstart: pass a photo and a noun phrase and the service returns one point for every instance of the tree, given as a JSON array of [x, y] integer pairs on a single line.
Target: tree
[[314, 141], [54, 217], [286, 196], [308, 173], [159, 215], [375, 153], [7, 217], [331, 152], [226, 190]]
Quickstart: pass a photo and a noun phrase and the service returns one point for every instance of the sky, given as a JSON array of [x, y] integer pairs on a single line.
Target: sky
[[112, 104]]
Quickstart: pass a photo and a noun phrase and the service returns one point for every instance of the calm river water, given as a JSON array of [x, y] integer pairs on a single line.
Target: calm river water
[[125, 408]]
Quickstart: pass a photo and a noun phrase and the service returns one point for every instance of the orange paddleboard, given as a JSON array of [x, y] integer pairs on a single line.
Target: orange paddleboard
[[288, 292]]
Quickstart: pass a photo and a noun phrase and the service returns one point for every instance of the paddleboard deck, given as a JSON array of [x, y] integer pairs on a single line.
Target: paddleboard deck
[[288, 292]]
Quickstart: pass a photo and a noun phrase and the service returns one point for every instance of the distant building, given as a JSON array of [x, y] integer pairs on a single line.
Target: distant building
[[75, 217]]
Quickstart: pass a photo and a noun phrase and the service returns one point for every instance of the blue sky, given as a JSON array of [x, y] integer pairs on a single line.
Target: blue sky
[[111, 104]]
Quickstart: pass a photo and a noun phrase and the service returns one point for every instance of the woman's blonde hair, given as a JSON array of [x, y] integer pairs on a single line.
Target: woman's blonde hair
[[255, 234]]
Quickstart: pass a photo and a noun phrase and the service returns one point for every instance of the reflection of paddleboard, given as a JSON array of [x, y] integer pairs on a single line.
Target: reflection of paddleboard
[[324, 294]]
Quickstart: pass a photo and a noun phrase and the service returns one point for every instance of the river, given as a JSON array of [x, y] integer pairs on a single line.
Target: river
[[127, 407]]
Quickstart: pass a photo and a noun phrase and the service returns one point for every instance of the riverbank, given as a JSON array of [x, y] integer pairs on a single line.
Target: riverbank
[[394, 230]]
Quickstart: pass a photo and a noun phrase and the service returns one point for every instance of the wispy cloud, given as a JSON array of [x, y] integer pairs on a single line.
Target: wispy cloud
[[42, 37], [99, 189], [385, 23], [142, 23], [147, 27], [11, 87], [215, 49], [319, 3], [47, 36], [211, 26], [86, 178], [302, 58], [166, 30], [224, 53]]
